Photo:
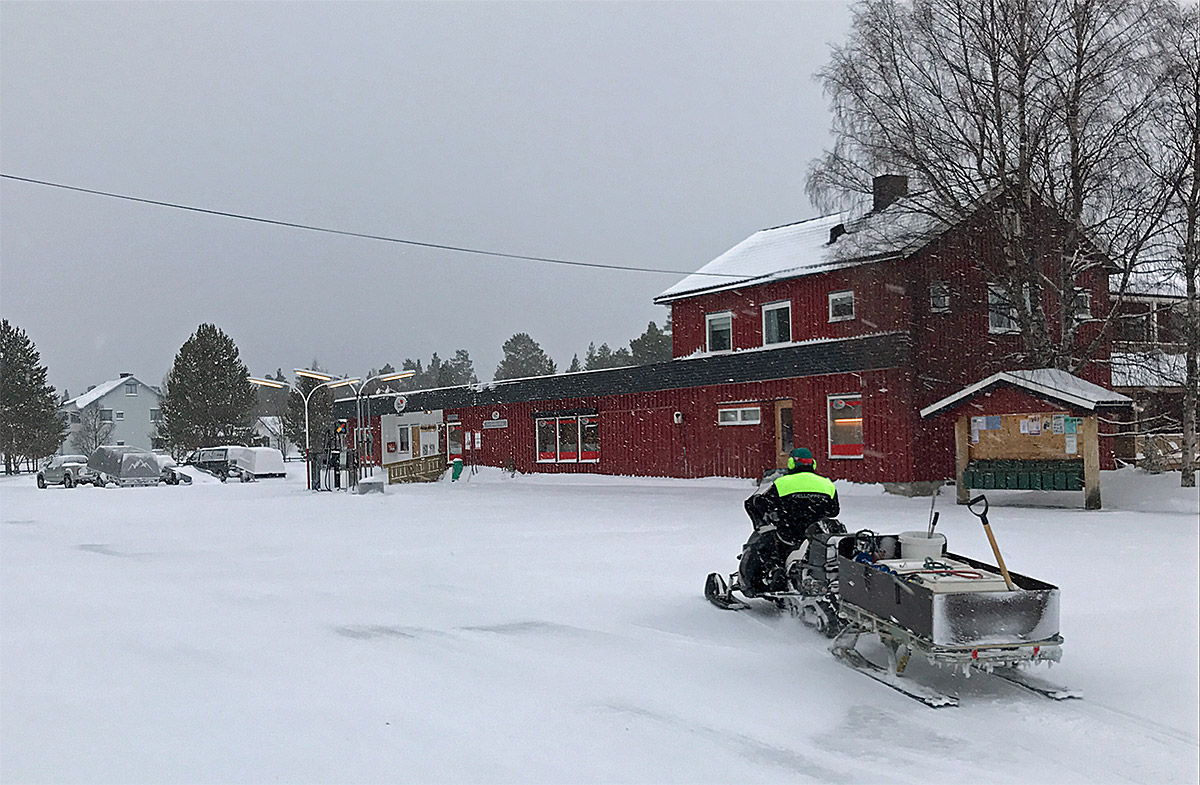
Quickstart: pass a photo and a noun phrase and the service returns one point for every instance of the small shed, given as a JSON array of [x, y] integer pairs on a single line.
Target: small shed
[[1029, 430]]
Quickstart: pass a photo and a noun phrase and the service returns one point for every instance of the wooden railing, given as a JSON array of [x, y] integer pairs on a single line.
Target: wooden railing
[[425, 469]]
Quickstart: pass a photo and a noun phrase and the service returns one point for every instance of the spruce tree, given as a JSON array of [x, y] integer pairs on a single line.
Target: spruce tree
[[209, 399], [462, 370], [30, 426], [524, 357], [653, 346], [574, 367]]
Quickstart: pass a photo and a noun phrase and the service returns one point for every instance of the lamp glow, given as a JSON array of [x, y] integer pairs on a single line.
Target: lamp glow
[[267, 383], [322, 377]]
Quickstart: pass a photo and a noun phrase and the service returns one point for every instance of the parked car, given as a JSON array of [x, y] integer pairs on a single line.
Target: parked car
[[169, 471], [245, 463], [65, 470], [124, 466]]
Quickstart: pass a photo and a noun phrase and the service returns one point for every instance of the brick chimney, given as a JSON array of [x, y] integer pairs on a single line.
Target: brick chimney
[[888, 188]]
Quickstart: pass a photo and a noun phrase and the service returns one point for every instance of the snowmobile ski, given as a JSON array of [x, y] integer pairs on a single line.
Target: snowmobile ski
[[717, 591], [852, 658], [1036, 684]]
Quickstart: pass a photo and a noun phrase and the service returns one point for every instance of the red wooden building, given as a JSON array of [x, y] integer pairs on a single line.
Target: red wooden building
[[829, 333]]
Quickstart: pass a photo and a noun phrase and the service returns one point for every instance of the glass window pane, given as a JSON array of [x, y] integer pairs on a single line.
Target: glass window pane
[[568, 439], [939, 296], [727, 415], [845, 427], [589, 448], [1000, 310], [841, 306], [777, 324], [720, 332], [751, 415], [547, 440]]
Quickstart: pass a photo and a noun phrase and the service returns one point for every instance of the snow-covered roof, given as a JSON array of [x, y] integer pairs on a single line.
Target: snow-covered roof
[[1149, 369], [1154, 279], [102, 389], [804, 248], [1043, 382]]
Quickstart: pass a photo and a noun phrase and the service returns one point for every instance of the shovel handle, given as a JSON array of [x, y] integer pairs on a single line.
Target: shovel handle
[[982, 515]]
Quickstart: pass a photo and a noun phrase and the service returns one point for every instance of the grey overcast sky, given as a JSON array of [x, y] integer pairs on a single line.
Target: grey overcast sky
[[648, 135]]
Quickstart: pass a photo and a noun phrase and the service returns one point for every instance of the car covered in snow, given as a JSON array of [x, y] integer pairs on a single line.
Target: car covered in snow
[[170, 472], [65, 470], [244, 463]]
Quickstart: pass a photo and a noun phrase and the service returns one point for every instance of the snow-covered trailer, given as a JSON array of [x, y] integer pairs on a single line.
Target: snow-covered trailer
[[124, 466], [256, 463]]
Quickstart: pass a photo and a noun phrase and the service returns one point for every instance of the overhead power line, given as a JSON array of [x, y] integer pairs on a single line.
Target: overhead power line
[[362, 235]]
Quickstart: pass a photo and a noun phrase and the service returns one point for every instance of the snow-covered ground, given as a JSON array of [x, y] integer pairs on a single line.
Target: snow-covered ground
[[549, 629]]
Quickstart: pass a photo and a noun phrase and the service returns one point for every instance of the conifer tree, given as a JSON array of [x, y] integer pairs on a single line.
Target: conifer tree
[[30, 426], [524, 357], [209, 399], [653, 346], [574, 367]]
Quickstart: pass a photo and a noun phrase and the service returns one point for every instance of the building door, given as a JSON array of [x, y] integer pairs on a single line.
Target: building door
[[454, 441], [784, 434]]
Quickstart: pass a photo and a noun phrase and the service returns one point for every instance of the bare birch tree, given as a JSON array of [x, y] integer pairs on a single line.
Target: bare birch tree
[[1180, 170], [1011, 111], [93, 430]]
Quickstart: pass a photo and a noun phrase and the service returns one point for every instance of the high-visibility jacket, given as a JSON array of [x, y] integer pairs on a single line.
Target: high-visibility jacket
[[800, 499]]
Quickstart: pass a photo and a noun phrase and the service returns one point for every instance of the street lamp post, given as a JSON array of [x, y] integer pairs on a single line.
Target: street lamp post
[[384, 377], [325, 381]]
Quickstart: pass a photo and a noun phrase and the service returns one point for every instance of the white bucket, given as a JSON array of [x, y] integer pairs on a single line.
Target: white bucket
[[918, 545]]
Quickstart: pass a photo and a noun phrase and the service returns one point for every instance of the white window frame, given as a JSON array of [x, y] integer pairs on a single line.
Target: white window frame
[[537, 444], [559, 429], [741, 415], [709, 318], [118, 416], [558, 424], [770, 308], [131, 388], [155, 415], [994, 327], [109, 418], [829, 399], [939, 290], [1081, 304], [581, 418], [834, 297]]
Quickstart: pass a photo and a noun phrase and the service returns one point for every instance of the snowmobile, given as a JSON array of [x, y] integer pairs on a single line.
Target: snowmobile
[[917, 598]]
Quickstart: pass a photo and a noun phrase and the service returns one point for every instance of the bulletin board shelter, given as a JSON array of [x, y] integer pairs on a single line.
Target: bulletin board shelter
[[1029, 430]]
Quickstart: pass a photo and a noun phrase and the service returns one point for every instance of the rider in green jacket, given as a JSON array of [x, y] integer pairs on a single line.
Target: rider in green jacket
[[782, 515]]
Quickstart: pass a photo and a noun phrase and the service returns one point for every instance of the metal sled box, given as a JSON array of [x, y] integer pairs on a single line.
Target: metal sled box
[[948, 618]]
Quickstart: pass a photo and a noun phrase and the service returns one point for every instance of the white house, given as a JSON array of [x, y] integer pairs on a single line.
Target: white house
[[122, 411]]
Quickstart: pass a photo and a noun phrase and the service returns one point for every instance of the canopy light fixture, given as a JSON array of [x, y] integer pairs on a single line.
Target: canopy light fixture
[[344, 382], [321, 377], [398, 375], [268, 383]]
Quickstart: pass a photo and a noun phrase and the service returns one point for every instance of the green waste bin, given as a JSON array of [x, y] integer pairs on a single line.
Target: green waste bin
[[456, 469]]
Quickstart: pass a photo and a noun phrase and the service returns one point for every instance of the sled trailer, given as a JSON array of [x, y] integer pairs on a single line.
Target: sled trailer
[[953, 609]]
